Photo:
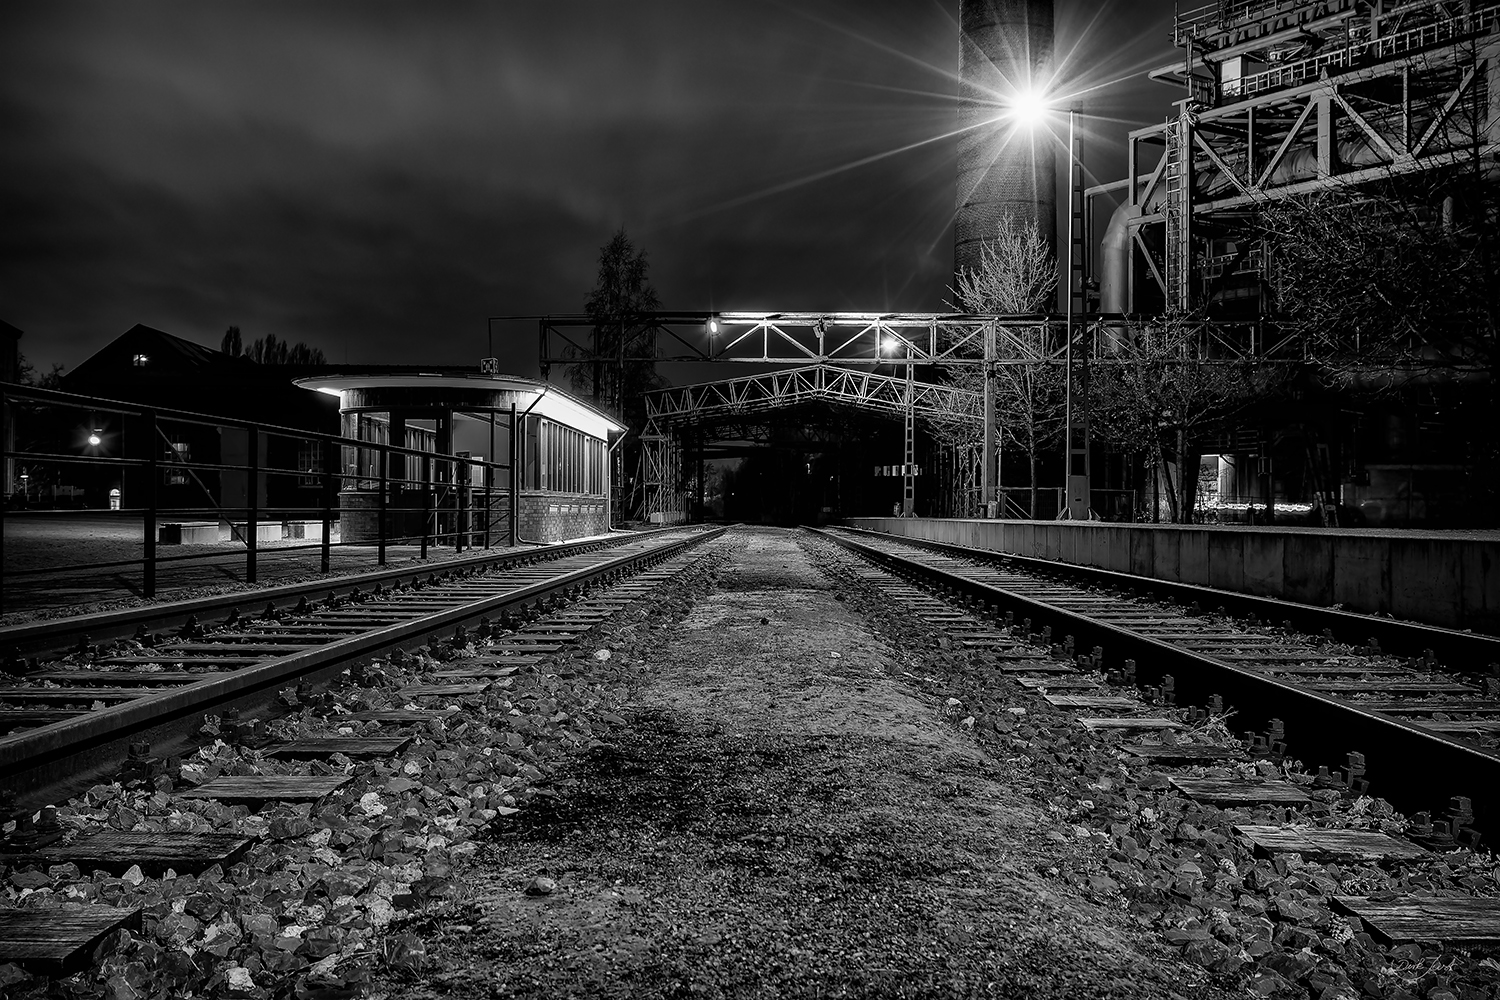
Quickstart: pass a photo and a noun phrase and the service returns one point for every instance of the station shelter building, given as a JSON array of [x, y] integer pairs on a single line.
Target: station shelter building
[[510, 456]]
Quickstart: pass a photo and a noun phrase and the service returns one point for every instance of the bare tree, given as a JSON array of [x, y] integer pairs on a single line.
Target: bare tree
[[1387, 281], [268, 350], [1161, 393], [1393, 291], [1016, 275]]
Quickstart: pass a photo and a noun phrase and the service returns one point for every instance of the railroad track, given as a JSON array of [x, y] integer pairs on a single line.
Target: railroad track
[[524, 613], [60, 715], [1013, 623], [1423, 728]]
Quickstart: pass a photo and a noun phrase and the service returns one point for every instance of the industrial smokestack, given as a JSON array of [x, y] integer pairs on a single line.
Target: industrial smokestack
[[1002, 167]]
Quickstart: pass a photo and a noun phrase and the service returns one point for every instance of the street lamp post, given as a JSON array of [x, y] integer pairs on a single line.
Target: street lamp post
[[1076, 449], [989, 474], [909, 400], [1030, 107]]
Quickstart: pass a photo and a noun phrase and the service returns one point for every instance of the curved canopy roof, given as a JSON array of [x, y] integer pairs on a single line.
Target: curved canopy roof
[[465, 393]]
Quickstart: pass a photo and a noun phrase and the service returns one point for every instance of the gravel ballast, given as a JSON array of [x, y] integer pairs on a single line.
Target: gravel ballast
[[785, 814], [764, 778]]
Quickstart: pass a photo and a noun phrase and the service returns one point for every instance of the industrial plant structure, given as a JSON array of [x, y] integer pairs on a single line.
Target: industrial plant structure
[[1279, 103], [1289, 102]]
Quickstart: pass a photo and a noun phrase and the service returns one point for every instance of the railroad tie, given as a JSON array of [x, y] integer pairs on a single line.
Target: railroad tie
[[257, 789], [1183, 753], [349, 746], [1237, 792], [60, 942], [116, 851], [1127, 724], [1328, 845], [1452, 920]]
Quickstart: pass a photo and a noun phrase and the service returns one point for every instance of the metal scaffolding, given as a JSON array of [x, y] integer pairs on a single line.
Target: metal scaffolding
[[1291, 98]]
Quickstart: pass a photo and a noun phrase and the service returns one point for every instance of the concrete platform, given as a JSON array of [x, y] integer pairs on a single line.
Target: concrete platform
[[1445, 578]]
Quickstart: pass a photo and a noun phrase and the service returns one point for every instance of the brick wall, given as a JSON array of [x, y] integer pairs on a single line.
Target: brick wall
[[546, 517]]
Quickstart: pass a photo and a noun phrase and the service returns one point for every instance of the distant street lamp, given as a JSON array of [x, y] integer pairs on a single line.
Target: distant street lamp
[[1030, 108], [891, 345], [94, 439]]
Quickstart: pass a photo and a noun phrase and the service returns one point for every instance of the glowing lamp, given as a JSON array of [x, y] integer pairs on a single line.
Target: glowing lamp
[[94, 438], [1028, 107]]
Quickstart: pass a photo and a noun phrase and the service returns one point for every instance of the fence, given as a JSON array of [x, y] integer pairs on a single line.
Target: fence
[[200, 480]]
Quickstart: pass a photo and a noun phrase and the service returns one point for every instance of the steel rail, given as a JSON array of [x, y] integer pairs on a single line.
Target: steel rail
[[60, 634], [34, 748], [1461, 652], [1414, 769]]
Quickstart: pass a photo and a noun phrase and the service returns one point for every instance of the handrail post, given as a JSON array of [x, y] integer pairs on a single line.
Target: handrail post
[[148, 520], [4, 486], [426, 501], [330, 455], [489, 495], [458, 476], [252, 499], [380, 503], [515, 479]]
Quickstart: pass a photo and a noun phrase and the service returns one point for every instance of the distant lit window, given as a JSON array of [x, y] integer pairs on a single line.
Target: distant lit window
[[310, 463], [179, 452], [140, 360]]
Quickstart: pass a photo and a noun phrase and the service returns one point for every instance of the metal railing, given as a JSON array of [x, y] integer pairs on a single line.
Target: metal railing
[[1451, 29], [244, 492]]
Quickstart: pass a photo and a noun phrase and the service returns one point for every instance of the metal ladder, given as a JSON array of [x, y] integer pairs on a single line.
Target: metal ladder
[[1177, 211]]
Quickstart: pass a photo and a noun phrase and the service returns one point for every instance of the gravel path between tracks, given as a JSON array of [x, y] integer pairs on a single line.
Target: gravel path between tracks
[[785, 815]]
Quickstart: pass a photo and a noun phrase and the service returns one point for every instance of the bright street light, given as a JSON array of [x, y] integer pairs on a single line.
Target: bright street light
[[1029, 107], [94, 438]]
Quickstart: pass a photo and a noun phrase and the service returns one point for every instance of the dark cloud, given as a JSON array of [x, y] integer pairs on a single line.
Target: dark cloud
[[377, 178]]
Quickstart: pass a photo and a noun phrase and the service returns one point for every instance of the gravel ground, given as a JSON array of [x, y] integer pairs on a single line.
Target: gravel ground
[[785, 815], [753, 783]]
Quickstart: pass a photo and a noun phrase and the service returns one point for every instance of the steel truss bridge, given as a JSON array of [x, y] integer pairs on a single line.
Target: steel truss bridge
[[866, 340], [831, 357]]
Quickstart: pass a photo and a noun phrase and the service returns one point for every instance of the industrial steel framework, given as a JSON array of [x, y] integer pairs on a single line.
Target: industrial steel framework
[[828, 350], [1291, 97], [827, 355], [669, 411]]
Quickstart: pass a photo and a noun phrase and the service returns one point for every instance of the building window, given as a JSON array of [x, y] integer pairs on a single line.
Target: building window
[[140, 360], [310, 463], [562, 459], [178, 452]]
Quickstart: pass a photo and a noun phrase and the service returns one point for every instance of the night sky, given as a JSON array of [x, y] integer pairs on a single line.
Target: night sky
[[378, 178]]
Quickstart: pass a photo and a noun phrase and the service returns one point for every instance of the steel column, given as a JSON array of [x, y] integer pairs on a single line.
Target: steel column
[[330, 453], [426, 501], [252, 514], [148, 520], [382, 511]]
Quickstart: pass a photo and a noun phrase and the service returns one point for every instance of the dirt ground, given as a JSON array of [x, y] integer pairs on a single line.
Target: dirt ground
[[786, 813]]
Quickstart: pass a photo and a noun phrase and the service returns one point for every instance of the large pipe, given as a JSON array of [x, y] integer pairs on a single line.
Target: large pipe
[[1114, 248], [1003, 167]]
